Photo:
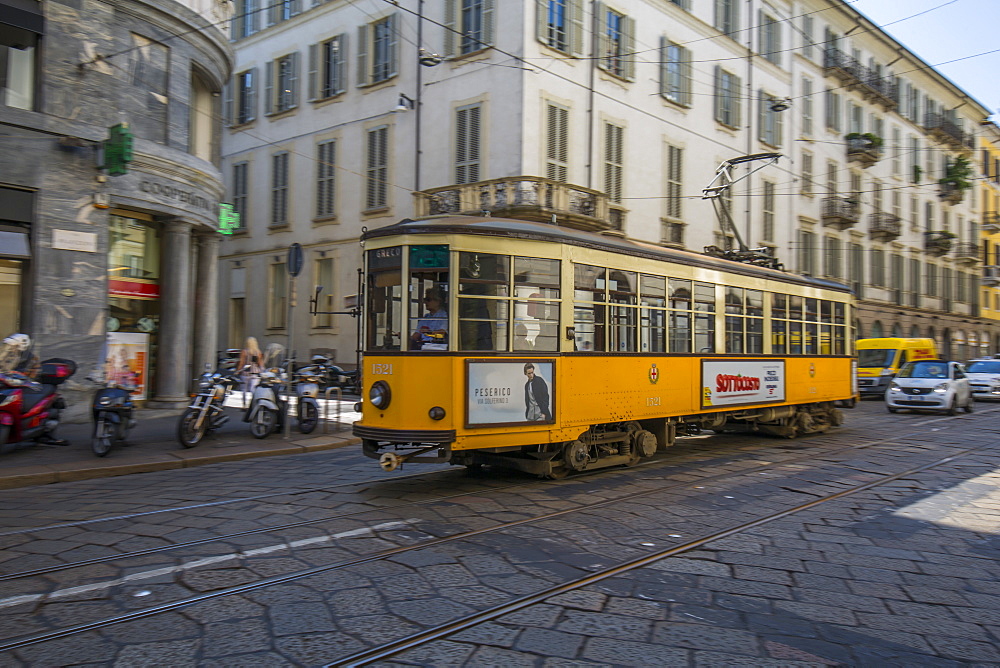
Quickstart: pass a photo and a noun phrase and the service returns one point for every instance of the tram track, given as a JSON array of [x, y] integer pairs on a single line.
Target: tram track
[[440, 631], [331, 518]]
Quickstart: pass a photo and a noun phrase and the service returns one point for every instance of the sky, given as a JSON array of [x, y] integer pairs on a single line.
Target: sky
[[949, 30]]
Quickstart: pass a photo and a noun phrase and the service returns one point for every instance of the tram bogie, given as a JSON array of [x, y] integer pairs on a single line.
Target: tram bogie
[[571, 352]]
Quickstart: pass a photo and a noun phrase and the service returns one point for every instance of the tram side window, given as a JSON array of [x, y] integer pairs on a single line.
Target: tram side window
[[680, 316], [483, 301], [744, 320], [691, 316], [536, 309], [589, 307], [384, 299], [428, 295], [652, 314], [622, 288], [779, 324], [807, 326], [704, 317]]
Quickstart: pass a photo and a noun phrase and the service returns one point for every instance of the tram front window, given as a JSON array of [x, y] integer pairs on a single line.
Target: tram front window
[[385, 298], [428, 290]]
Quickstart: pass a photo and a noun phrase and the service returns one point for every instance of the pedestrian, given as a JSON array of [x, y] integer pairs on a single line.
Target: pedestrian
[[250, 365]]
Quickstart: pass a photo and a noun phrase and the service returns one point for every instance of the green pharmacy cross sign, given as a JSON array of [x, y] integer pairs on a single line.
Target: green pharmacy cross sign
[[118, 149], [229, 219]]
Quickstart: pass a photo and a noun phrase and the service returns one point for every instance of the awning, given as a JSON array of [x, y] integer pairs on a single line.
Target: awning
[[14, 245]]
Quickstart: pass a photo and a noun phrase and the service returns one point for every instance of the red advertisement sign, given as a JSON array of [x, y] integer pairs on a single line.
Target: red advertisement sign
[[119, 288]]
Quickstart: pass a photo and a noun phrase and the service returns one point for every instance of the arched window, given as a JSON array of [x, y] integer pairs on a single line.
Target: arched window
[[876, 330], [897, 331], [914, 332]]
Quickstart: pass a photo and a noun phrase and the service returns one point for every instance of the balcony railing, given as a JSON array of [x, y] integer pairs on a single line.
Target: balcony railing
[[525, 198], [944, 129], [938, 243], [966, 252], [991, 222], [991, 275], [856, 76], [884, 226], [863, 151], [840, 212]]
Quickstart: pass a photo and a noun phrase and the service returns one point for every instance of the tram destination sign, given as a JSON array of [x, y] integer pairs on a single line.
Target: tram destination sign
[[742, 382]]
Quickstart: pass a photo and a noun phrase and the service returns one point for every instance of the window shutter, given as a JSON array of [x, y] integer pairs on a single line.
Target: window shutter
[[629, 46], [541, 21], [450, 28], [600, 29], [761, 117], [467, 145], [313, 82], [575, 11], [253, 18], [340, 60], [737, 87], [228, 117], [664, 83], [778, 128], [293, 80], [296, 7], [363, 55], [718, 92], [685, 67], [393, 58], [274, 12], [269, 87], [488, 22], [251, 93]]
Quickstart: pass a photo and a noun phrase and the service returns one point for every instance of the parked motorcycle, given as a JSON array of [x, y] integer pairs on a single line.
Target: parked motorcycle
[[207, 411], [307, 406], [113, 411], [332, 375], [29, 408], [267, 407]]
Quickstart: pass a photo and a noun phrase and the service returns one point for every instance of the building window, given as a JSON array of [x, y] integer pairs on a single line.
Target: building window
[[560, 25], [769, 38], [557, 143], [324, 277], [243, 103], [277, 306], [467, 144], [246, 21], [672, 233], [470, 24], [832, 257], [727, 98], [281, 84], [807, 252], [241, 189], [377, 57], [377, 173], [831, 177], [675, 159], [807, 107], [807, 174], [326, 169], [282, 10], [617, 48], [769, 123], [279, 189], [878, 267], [327, 68], [807, 36], [932, 279], [203, 122], [833, 110], [727, 16], [768, 211], [897, 162], [675, 72], [614, 161]]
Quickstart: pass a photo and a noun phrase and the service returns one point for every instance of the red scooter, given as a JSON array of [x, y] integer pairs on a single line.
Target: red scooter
[[29, 409]]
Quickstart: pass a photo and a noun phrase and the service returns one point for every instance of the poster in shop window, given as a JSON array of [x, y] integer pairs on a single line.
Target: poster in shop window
[[742, 382], [510, 392], [126, 361]]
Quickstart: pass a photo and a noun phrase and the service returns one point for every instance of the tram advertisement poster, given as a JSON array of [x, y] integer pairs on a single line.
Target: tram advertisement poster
[[741, 382], [510, 392], [126, 361]]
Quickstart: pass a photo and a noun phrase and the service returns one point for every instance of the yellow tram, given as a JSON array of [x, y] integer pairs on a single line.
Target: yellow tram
[[552, 350]]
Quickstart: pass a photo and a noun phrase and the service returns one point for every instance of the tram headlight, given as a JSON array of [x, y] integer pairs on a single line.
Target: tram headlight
[[436, 413], [379, 395]]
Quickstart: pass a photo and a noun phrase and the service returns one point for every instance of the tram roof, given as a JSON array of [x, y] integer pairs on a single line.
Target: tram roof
[[523, 229]]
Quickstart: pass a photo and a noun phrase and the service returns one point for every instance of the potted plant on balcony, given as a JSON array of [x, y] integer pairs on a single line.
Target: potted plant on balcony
[[939, 242], [956, 180]]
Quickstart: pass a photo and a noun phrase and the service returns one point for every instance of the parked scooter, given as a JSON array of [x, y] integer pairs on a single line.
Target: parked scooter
[[267, 408], [113, 411], [307, 406], [29, 409], [207, 411]]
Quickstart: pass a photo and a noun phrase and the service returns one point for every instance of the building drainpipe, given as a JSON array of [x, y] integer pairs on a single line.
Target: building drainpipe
[[590, 99], [749, 126]]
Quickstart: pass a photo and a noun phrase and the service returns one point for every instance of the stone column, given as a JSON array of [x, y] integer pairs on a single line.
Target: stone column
[[206, 301], [173, 373]]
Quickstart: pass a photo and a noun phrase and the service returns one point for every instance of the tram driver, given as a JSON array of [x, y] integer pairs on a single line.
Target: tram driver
[[432, 329]]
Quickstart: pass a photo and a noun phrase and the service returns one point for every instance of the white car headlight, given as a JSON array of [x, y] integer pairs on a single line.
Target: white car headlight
[[894, 386], [942, 388]]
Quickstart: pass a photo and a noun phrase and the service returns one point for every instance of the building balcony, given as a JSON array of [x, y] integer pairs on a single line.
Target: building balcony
[[938, 242], [863, 150], [991, 222], [951, 193], [991, 276], [525, 198], [966, 252], [884, 226], [944, 129], [840, 212], [856, 76]]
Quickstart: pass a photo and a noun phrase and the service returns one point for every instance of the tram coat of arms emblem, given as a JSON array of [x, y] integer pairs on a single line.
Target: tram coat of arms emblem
[[654, 374]]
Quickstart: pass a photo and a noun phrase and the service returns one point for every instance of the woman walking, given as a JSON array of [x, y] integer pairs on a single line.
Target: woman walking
[[250, 356]]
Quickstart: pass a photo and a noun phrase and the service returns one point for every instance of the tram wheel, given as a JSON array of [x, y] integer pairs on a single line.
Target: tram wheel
[[576, 455], [556, 473]]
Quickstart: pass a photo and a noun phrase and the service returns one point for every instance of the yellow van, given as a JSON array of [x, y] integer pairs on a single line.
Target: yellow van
[[879, 360]]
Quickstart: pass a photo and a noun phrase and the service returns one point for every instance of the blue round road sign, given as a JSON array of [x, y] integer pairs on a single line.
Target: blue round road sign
[[294, 264]]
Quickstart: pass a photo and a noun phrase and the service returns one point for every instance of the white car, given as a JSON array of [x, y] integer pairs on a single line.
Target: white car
[[984, 378], [930, 385]]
